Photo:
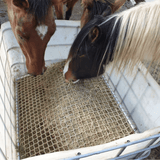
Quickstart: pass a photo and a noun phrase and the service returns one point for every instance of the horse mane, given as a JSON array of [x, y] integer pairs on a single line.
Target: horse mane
[[138, 36], [39, 8]]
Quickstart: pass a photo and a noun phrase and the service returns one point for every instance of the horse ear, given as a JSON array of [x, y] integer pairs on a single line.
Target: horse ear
[[94, 34], [117, 5], [21, 3], [107, 12]]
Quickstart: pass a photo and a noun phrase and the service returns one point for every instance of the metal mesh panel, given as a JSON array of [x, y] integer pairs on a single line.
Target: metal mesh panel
[[7, 111], [56, 116], [154, 71]]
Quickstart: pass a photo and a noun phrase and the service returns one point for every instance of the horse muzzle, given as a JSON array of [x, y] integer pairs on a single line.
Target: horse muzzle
[[67, 73], [70, 78], [36, 73]]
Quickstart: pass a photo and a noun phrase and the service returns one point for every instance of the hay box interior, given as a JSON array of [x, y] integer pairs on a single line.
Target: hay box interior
[[43, 117]]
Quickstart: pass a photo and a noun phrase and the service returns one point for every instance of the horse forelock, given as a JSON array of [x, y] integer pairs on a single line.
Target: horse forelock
[[39, 8]]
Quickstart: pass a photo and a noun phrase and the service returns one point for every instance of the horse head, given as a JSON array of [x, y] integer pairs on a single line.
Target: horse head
[[99, 7], [33, 24], [89, 55]]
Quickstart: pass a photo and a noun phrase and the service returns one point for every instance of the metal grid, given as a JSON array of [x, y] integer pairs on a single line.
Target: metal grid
[[56, 116], [7, 111], [154, 70]]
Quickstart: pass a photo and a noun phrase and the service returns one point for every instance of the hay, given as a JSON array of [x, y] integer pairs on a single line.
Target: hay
[[56, 116]]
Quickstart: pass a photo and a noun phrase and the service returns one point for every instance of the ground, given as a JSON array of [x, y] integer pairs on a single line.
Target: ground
[[3, 12], [155, 153]]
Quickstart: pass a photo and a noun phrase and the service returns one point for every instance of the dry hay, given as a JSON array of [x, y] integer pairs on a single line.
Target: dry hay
[[56, 116]]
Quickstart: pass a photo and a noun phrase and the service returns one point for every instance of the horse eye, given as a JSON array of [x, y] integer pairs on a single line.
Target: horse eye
[[89, 7], [20, 37], [81, 56]]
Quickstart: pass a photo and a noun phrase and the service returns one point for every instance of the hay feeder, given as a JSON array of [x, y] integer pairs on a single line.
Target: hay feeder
[[114, 116]]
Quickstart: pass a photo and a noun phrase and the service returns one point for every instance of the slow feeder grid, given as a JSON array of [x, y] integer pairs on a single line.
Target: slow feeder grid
[[56, 116]]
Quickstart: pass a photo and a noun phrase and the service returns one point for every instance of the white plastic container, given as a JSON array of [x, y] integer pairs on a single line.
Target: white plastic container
[[139, 94]]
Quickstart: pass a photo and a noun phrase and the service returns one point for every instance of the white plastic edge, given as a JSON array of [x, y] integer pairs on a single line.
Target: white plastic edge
[[71, 153]]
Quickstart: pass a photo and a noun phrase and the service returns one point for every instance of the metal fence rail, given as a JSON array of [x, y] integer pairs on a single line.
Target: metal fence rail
[[7, 114], [124, 146]]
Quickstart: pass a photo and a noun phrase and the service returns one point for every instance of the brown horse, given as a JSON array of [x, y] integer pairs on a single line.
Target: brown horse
[[59, 8], [99, 7], [91, 8], [88, 6], [33, 25]]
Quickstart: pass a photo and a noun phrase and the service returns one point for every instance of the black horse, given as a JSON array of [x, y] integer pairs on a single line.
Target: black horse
[[86, 53]]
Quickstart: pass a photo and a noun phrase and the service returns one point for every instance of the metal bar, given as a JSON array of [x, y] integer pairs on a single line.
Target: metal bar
[[3, 154], [149, 144], [17, 122], [130, 88], [7, 132], [121, 151], [122, 106], [145, 156], [136, 152], [121, 157], [121, 146]]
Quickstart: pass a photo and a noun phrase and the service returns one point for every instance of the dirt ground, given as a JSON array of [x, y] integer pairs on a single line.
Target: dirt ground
[[4, 17], [3, 12], [155, 153]]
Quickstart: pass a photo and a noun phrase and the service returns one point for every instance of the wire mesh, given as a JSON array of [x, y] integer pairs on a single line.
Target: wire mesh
[[56, 116], [154, 70], [7, 110]]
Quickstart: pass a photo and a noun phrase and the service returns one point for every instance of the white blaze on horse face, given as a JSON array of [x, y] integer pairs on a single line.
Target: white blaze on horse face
[[42, 30], [65, 70]]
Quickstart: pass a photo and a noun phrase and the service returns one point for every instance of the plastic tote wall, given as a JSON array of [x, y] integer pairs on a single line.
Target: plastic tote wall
[[139, 95]]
